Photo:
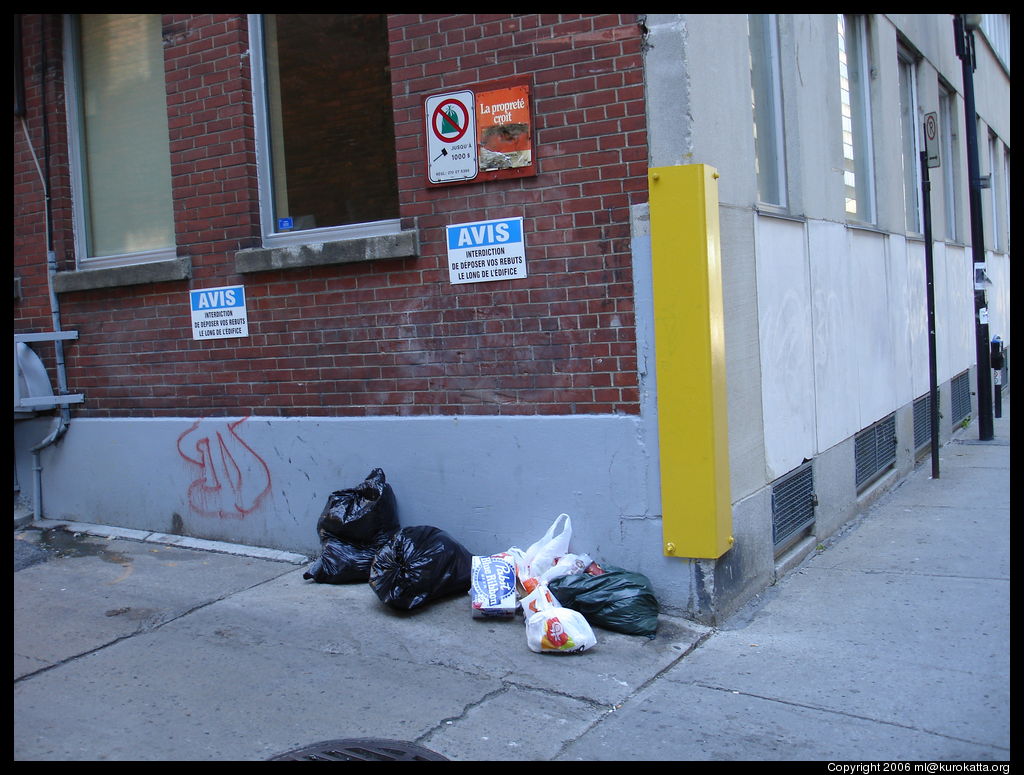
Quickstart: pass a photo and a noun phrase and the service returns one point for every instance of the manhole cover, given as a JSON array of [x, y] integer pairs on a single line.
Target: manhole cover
[[361, 750]]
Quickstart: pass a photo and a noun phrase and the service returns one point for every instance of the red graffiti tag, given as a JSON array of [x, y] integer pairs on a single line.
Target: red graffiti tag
[[233, 478]]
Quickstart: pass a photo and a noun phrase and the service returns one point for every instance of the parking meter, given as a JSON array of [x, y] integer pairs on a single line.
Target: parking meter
[[997, 360], [996, 354]]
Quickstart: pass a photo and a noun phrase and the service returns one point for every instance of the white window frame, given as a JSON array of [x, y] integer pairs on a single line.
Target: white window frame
[[907, 59], [79, 185], [996, 29], [1006, 195], [861, 124], [995, 169], [776, 153], [271, 236], [949, 159]]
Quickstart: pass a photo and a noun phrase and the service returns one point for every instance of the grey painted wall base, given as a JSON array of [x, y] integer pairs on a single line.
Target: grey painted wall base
[[491, 482]]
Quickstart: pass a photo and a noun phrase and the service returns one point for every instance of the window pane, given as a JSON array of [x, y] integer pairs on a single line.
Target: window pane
[[765, 88], [124, 137], [331, 124], [995, 185], [911, 160], [948, 160], [858, 170]]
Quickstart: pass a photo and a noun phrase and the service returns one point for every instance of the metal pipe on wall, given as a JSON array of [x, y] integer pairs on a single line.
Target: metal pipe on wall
[[63, 418]]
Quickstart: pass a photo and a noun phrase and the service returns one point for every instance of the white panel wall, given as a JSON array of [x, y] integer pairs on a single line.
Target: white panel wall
[[955, 310], [835, 371], [875, 390], [900, 314], [917, 317], [946, 330], [787, 366], [843, 323], [999, 296]]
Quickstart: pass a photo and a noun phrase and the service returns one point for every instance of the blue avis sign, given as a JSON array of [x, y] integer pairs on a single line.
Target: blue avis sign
[[219, 313], [486, 250]]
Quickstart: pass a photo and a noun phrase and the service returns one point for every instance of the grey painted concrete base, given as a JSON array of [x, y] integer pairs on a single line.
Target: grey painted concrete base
[[491, 482]]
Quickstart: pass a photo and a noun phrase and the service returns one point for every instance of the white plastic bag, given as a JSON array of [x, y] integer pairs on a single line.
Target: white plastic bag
[[540, 599], [543, 554], [565, 565], [558, 631]]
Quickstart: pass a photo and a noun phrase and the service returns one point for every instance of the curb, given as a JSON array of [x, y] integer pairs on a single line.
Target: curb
[[184, 542]]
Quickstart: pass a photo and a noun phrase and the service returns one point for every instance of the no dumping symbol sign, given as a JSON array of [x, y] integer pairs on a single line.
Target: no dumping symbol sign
[[450, 121], [451, 137]]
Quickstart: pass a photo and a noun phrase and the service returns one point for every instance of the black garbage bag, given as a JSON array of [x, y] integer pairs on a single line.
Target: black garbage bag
[[618, 600], [361, 513], [352, 528], [341, 562], [420, 564]]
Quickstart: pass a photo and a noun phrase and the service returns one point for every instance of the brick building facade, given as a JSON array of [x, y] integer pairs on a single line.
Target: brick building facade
[[382, 337], [292, 160]]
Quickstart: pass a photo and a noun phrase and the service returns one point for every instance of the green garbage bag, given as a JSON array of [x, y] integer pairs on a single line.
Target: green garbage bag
[[618, 600]]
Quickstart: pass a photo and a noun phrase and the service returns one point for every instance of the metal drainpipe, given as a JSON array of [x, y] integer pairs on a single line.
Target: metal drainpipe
[[64, 412]]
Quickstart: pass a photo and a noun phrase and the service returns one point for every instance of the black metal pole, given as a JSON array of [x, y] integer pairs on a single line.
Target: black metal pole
[[965, 50], [929, 273]]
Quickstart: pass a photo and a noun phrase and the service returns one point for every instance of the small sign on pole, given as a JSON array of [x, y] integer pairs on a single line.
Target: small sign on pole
[[219, 313], [931, 139]]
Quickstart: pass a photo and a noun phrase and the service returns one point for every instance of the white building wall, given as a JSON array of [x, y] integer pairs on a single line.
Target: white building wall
[[835, 335], [787, 354], [841, 310], [955, 323], [999, 296]]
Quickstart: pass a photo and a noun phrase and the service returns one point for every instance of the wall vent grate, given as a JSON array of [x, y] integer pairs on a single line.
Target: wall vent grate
[[960, 396], [923, 420], [875, 450], [792, 503]]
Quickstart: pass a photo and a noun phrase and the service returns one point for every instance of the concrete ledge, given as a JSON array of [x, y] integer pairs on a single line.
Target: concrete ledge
[[795, 555], [877, 489], [117, 276], [404, 244], [184, 542]]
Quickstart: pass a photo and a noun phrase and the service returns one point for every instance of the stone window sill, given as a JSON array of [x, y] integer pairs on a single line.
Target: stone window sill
[[118, 276], [404, 244]]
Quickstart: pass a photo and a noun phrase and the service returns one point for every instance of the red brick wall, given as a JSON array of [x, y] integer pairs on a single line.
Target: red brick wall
[[387, 337], [32, 312]]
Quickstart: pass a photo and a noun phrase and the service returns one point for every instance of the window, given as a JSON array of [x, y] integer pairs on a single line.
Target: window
[[766, 99], [909, 132], [855, 98], [996, 28], [949, 160], [995, 167], [1006, 195], [324, 126], [117, 109]]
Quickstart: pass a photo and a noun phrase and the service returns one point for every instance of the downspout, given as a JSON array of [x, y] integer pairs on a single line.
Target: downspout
[[63, 419]]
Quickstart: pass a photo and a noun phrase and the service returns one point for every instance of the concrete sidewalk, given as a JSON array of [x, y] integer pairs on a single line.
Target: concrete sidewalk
[[889, 643], [892, 643]]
